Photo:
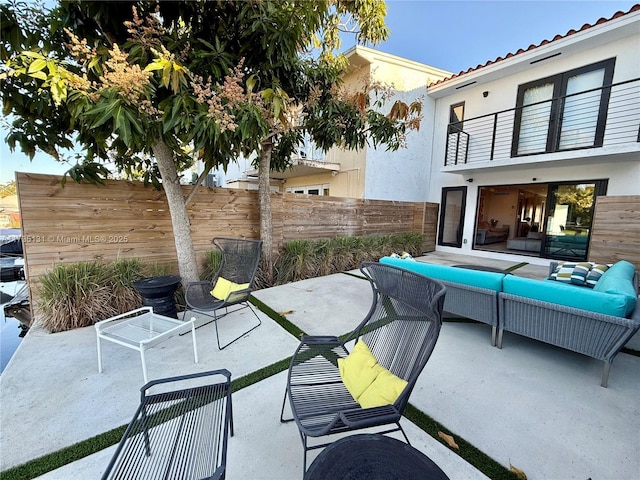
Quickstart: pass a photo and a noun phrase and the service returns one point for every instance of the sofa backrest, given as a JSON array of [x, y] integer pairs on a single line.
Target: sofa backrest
[[475, 278]]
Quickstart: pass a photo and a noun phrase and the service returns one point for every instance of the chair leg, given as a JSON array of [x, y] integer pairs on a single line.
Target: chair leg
[[284, 401], [231, 416], [605, 374], [499, 344], [248, 305]]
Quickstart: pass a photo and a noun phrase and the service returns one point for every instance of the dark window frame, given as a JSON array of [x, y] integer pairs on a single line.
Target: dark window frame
[[456, 125], [560, 82], [441, 222]]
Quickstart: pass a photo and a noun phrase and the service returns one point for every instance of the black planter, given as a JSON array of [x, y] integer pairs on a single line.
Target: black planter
[[157, 292]]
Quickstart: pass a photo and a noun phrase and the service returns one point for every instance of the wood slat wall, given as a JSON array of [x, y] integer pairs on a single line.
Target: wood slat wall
[[84, 222], [616, 230]]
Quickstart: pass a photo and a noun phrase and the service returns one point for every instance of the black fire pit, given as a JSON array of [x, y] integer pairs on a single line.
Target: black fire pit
[[157, 292]]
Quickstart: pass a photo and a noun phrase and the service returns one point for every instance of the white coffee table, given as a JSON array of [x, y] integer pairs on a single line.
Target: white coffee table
[[141, 329]]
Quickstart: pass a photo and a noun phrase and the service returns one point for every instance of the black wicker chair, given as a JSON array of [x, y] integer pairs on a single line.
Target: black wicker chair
[[239, 262], [400, 329], [181, 433]]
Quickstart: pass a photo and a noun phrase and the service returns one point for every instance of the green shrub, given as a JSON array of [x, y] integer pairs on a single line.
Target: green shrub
[[302, 259]]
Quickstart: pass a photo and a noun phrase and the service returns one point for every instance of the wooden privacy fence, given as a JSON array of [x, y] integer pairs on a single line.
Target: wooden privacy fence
[[84, 222], [616, 230]]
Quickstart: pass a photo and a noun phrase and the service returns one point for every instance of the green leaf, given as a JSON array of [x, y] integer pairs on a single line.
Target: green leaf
[[106, 115], [166, 75], [40, 75], [37, 65], [30, 54], [156, 65], [251, 82], [94, 61]]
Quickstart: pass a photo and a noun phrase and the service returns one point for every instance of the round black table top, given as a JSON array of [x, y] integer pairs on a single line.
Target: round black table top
[[373, 457], [157, 286]]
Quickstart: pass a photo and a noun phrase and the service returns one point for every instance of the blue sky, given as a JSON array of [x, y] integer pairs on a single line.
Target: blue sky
[[453, 35]]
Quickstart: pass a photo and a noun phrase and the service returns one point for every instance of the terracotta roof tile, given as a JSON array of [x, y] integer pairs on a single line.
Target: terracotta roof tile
[[586, 26]]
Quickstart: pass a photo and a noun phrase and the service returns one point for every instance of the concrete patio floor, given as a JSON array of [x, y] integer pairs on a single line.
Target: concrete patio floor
[[535, 406]]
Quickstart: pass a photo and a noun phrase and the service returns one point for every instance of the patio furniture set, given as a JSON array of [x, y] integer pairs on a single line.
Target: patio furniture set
[[591, 312], [182, 424]]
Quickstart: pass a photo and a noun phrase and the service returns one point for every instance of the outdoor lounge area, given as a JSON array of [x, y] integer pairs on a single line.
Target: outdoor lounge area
[[537, 407]]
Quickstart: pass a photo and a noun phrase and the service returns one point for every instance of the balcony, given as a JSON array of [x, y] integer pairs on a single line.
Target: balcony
[[602, 121]]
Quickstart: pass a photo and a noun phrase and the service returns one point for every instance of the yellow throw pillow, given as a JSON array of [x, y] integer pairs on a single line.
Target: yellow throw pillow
[[224, 287], [359, 369], [384, 390]]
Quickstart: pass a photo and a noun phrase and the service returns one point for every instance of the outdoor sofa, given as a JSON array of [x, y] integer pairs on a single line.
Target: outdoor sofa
[[486, 234], [595, 321]]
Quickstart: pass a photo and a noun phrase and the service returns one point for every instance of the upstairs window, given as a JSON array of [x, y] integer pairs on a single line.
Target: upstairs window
[[456, 116], [563, 112]]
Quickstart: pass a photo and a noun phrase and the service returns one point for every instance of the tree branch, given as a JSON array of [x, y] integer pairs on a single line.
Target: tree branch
[[202, 176]]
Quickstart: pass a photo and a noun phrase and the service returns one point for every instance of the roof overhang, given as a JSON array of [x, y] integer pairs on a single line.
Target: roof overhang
[[300, 167], [580, 41], [360, 57]]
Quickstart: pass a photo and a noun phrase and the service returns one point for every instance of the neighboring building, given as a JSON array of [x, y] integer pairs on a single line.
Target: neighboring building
[[376, 173], [367, 173], [530, 140]]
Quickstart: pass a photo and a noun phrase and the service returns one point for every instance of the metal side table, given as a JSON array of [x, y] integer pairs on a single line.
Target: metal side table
[[140, 330]]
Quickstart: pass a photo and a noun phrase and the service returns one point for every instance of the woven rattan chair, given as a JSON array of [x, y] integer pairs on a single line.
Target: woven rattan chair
[[238, 265], [180, 430], [400, 329]]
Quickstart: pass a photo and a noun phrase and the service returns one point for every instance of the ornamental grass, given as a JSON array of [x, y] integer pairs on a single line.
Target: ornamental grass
[[81, 294]]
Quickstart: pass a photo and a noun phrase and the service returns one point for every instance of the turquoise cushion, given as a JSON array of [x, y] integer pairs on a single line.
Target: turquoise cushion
[[567, 295], [619, 280], [475, 278]]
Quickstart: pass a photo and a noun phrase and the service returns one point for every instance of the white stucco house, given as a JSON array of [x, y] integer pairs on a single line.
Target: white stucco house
[[530, 140], [515, 151]]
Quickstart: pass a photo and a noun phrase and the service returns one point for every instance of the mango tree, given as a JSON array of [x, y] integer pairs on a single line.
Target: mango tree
[[149, 87]]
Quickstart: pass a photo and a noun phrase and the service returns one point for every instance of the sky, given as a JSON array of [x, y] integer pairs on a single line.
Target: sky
[[452, 35]]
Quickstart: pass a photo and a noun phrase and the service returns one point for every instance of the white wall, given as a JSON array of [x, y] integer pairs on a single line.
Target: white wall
[[404, 174]]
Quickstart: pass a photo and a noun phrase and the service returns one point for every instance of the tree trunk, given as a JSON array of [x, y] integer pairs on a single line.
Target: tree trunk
[[264, 199], [187, 263]]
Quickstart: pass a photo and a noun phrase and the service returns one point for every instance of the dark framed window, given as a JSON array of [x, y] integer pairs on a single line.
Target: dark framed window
[[452, 207], [456, 117], [567, 111]]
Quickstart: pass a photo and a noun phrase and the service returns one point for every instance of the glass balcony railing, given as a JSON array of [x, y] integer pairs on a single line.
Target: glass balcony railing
[[602, 117]]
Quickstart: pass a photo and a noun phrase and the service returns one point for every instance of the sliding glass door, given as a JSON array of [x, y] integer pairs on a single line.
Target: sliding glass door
[[569, 217]]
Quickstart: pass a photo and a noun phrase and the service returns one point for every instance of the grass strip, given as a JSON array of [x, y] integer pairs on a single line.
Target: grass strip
[[67, 455], [516, 266], [92, 445], [278, 318], [468, 452], [355, 275], [259, 375]]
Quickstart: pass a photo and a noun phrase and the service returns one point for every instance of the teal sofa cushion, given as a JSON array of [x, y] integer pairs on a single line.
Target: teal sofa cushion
[[475, 278], [619, 280], [567, 295]]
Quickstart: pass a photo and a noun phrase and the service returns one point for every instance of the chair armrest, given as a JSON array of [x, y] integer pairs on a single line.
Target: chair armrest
[[238, 295], [370, 417], [223, 371], [194, 284]]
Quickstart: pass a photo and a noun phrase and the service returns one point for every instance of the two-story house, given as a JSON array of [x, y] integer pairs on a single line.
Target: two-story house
[[523, 145]]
